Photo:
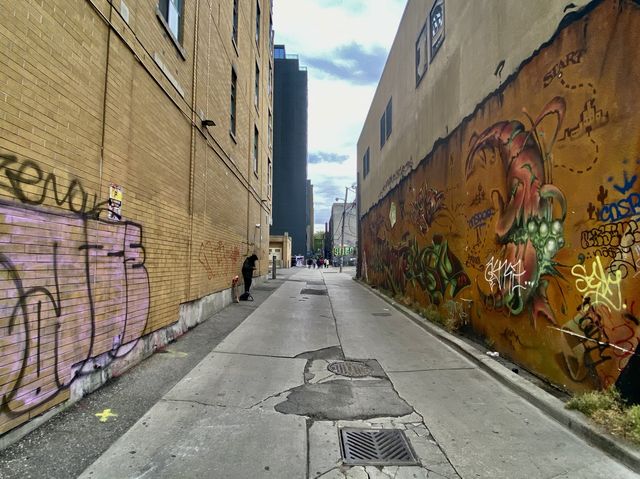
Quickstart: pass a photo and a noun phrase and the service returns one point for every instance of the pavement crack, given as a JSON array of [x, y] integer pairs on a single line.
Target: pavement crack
[[218, 351], [272, 396], [431, 369], [444, 453], [195, 402]]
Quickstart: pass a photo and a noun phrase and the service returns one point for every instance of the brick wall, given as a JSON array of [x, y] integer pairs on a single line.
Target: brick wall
[[95, 93]]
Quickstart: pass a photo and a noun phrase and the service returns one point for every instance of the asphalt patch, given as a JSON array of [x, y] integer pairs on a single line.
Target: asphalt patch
[[345, 400]]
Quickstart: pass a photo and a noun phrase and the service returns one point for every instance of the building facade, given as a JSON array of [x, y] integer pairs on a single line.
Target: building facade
[[344, 241], [290, 212], [136, 163], [498, 182]]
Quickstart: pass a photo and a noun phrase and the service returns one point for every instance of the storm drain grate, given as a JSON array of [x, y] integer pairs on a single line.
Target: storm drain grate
[[376, 447], [352, 369], [318, 292], [380, 314]]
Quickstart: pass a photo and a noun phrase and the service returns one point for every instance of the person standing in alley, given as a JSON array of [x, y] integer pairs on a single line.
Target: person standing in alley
[[248, 267]]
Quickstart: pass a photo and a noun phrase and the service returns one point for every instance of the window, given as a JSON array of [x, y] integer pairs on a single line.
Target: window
[[172, 11], [270, 131], [255, 149], [279, 52], [270, 80], [269, 185], [436, 24], [365, 164], [385, 124], [257, 23], [234, 91], [256, 95], [422, 48], [388, 114], [234, 34]]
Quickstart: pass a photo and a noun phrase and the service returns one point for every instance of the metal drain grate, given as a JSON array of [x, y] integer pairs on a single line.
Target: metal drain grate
[[352, 369], [318, 292], [380, 314], [376, 447]]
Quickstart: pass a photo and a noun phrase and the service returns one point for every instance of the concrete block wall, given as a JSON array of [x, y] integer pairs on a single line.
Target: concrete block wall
[[521, 224]]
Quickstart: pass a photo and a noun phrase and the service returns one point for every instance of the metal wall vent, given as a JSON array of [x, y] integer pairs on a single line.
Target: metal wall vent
[[352, 369], [376, 447], [317, 292]]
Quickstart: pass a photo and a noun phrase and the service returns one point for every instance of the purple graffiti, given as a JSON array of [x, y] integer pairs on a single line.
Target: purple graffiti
[[72, 289]]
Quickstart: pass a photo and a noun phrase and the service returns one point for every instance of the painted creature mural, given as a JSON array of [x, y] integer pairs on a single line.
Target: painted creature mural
[[526, 224]]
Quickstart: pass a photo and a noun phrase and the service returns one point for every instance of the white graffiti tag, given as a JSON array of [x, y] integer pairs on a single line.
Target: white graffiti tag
[[504, 275]]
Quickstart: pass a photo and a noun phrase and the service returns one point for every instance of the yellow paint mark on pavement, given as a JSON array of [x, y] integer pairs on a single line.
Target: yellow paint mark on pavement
[[105, 415]]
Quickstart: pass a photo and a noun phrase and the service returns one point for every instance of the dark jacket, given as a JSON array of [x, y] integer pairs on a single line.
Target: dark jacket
[[249, 264]]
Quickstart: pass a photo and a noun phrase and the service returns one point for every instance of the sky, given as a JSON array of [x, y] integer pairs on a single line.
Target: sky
[[344, 45]]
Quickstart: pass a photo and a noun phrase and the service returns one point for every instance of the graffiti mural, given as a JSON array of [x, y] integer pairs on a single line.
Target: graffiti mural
[[528, 211], [75, 289], [526, 224]]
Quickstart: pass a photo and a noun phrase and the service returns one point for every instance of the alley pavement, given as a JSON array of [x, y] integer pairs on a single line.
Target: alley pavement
[[264, 403]]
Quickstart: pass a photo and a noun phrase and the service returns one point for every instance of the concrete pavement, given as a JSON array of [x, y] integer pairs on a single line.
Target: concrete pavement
[[263, 404]]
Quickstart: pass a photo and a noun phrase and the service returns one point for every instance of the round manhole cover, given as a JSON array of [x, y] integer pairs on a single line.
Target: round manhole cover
[[352, 369]]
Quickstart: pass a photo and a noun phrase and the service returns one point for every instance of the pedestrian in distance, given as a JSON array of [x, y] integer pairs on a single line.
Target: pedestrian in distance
[[309, 263], [326, 262], [248, 267], [319, 263]]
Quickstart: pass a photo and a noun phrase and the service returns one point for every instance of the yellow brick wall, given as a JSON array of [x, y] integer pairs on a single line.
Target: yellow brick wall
[[90, 98]]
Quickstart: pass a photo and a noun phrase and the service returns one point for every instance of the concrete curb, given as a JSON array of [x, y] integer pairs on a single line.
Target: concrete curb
[[578, 423]]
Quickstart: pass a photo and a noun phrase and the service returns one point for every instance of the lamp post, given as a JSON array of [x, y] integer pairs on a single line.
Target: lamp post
[[344, 211]]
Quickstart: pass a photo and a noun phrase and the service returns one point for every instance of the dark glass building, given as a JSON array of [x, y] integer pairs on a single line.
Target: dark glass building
[[290, 210]]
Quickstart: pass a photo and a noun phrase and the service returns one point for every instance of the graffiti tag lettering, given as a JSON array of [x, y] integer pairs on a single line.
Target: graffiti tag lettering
[[599, 286], [504, 275]]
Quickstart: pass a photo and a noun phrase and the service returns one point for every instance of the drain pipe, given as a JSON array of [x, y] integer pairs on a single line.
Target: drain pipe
[[273, 267]]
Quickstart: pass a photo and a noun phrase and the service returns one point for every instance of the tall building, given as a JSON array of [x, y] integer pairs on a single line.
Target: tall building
[[310, 219], [290, 187], [497, 180], [135, 157]]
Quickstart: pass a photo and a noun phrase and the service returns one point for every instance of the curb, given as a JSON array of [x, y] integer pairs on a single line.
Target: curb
[[576, 422]]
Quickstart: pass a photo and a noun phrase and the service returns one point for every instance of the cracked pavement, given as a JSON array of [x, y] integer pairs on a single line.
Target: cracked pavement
[[264, 404]]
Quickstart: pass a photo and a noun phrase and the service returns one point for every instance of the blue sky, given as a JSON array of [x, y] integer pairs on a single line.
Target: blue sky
[[343, 44]]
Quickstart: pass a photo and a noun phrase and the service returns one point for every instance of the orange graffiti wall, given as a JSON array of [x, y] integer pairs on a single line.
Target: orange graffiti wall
[[525, 219]]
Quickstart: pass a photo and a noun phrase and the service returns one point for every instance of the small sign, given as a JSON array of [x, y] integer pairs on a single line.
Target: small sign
[[115, 203]]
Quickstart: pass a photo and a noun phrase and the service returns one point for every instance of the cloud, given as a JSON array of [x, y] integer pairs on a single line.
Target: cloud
[[351, 62], [353, 6], [326, 157]]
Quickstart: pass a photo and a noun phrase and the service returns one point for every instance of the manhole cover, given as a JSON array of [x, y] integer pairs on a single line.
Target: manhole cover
[[318, 292], [376, 447], [380, 314], [352, 369]]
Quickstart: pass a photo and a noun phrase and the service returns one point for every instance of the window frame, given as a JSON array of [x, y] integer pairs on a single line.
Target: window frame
[[234, 23], [256, 93], [162, 12], [233, 110], [436, 39], [258, 20], [366, 166], [389, 118], [256, 149]]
